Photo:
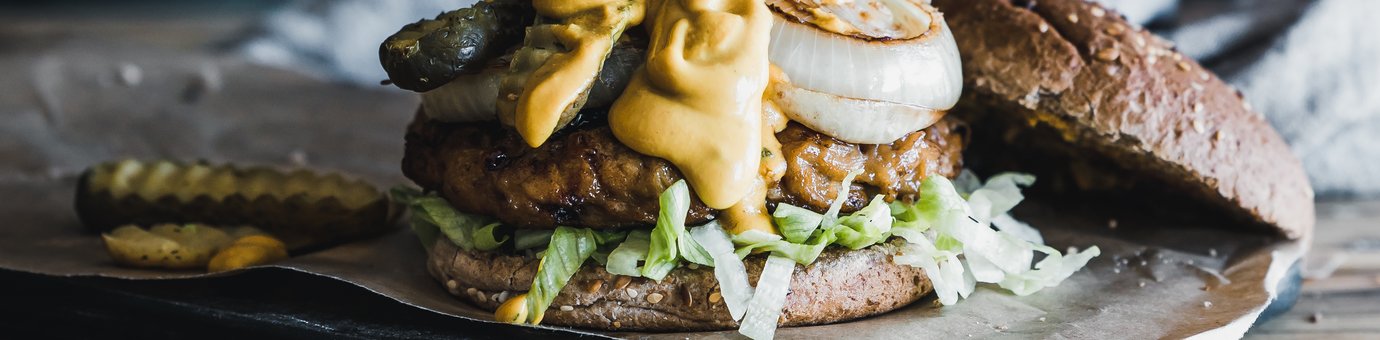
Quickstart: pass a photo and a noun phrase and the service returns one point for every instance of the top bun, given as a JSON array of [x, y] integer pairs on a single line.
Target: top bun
[[1109, 86]]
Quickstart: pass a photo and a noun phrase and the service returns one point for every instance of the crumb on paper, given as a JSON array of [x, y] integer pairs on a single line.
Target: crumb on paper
[[298, 157], [131, 75]]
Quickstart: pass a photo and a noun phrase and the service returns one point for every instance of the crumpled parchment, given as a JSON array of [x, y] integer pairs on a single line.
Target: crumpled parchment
[[75, 104]]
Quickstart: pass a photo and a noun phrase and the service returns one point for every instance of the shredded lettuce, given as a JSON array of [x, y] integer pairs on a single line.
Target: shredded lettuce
[[433, 216], [568, 250], [865, 227], [610, 237], [795, 223], [949, 232], [1005, 222], [966, 183], [963, 228], [662, 252], [624, 259], [754, 236], [668, 242], [759, 322], [530, 239], [1049, 272], [802, 253], [427, 233], [729, 270], [484, 237], [692, 251]]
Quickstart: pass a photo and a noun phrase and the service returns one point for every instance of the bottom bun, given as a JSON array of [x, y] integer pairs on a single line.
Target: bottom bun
[[841, 285]]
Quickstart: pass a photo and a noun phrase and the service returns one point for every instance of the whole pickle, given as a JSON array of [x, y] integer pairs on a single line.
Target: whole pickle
[[303, 208], [430, 53]]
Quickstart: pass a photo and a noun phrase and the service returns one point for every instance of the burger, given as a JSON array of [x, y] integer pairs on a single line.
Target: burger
[[705, 165]]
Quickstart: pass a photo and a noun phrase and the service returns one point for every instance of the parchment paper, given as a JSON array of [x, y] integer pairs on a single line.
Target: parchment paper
[[72, 105]]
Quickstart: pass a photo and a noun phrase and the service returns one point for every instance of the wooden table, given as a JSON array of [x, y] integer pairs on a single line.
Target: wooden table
[[1344, 304]]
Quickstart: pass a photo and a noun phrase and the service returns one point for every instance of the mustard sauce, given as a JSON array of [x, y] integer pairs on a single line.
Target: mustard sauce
[[698, 100], [751, 212], [589, 29]]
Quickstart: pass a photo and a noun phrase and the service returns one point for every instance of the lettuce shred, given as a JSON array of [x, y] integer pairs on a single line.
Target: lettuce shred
[[958, 231]]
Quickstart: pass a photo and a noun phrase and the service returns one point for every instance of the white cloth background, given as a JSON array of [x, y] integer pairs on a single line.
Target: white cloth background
[[1308, 65]]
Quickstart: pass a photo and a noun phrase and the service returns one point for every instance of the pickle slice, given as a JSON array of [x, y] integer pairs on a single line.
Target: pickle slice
[[302, 208], [165, 246]]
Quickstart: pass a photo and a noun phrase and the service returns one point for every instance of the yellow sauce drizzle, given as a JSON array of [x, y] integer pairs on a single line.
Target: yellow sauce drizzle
[[751, 212], [698, 100], [588, 30]]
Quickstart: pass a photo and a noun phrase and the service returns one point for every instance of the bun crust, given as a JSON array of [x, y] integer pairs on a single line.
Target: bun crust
[[1110, 87], [841, 285]]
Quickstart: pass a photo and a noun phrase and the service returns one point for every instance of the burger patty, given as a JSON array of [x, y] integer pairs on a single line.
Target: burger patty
[[585, 177]]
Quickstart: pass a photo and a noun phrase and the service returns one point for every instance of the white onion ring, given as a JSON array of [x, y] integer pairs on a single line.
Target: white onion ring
[[924, 71], [852, 120], [468, 98]]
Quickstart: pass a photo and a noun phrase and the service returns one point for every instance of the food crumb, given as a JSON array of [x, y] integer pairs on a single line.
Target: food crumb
[[1207, 304], [1042, 319], [1212, 252], [1315, 318], [298, 157], [1141, 284], [131, 75], [1111, 224], [1116, 270]]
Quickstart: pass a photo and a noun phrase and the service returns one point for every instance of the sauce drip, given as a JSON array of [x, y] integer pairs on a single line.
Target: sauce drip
[[751, 212], [588, 29], [698, 100]]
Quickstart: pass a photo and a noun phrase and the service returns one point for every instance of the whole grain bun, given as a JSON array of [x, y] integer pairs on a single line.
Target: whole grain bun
[[842, 285], [1109, 87]]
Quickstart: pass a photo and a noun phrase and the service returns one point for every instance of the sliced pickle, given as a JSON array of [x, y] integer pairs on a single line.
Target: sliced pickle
[[302, 208], [165, 246]]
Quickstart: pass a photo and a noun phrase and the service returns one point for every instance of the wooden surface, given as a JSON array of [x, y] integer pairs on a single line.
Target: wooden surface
[[1346, 303], [1342, 304]]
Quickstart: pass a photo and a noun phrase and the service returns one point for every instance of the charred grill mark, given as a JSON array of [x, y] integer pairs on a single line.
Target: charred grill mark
[[496, 160]]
